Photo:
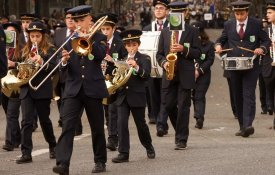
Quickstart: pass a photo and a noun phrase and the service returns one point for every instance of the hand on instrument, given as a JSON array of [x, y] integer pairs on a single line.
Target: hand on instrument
[[259, 51], [103, 66], [65, 56], [197, 74], [218, 49], [131, 62], [165, 65], [177, 48], [108, 58], [11, 64]]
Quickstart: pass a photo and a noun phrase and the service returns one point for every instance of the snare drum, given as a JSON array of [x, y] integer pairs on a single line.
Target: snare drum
[[149, 45], [237, 63]]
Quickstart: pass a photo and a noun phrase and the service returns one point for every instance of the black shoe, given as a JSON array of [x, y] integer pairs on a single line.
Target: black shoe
[[121, 158], [152, 121], [248, 131], [99, 167], [34, 127], [24, 159], [151, 152], [52, 153], [60, 123], [239, 133], [111, 146], [61, 169], [78, 133], [8, 147], [199, 123], [270, 111], [181, 146], [160, 132]]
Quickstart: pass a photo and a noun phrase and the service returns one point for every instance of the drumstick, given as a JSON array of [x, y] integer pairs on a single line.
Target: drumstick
[[225, 50], [246, 49]]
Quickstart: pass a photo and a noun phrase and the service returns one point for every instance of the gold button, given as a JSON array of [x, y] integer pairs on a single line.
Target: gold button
[[241, 40], [127, 87], [83, 67], [242, 55], [82, 76]]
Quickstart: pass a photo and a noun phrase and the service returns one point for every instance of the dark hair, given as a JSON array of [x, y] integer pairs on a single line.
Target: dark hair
[[131, 41]]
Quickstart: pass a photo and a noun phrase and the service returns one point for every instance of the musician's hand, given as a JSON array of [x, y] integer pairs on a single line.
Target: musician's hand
[[177, 48], [218, 49], [103, 67], [11, 64], [38, 59], [65, 56], [165, 65], [259, 51], [197, 74], [132, 63], [108, 58]]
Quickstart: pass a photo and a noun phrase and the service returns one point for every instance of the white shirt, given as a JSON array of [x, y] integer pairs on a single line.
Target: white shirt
[[238, 27], [110, 41], [156, 22], [26, 36]]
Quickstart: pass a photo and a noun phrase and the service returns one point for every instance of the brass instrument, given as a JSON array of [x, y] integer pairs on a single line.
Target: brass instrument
[[80, 45], [15, 78], [171, 59], [272, 47]]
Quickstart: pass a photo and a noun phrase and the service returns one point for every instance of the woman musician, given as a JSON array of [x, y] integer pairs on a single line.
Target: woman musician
[[37, 51], [11, 104]]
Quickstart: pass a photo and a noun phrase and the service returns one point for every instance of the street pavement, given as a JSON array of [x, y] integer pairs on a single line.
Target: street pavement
[[213, 150]]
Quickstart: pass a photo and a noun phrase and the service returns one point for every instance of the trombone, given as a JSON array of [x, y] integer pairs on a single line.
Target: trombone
[[80, 45]]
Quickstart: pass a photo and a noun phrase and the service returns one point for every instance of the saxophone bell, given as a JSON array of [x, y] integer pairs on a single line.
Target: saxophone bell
[[171, 59]]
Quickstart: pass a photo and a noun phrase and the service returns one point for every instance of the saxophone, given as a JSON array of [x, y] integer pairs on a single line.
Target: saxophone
[[171, 59]]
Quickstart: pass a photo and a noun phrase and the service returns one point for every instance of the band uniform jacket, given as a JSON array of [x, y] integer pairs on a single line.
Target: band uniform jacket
[[207, 57], [58, 39], [45, 91], [85, 71], [149, 26], [117, 47], [3, 57], [254, 37], [134, 90], [267, 60], [190, 39]]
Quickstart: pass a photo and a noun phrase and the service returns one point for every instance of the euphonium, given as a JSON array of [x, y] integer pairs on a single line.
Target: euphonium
[[171, 59]]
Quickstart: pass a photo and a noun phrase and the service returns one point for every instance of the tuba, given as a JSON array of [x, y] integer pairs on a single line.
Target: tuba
[[171, 59]]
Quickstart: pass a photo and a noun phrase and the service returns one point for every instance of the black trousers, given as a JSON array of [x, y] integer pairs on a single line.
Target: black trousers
[[270, 88], [29, 106], [113, 117], [178, 102], [123, 130], [12, 110], [232, 99], [70, 114], [244, 85], [263, 93], [198, 95]]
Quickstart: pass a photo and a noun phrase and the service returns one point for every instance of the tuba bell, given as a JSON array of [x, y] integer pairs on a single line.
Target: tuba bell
[[171, 59]]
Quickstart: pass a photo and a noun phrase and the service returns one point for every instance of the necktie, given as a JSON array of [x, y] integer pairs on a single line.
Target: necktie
[[160, 25], [176, 36], [108, 48], [10, 53], [241, 31]]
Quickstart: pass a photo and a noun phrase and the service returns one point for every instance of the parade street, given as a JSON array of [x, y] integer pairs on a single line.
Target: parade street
[[213, 150]]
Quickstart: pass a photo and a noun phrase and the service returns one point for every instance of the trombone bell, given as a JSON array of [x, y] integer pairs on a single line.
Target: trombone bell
[[81, 46]]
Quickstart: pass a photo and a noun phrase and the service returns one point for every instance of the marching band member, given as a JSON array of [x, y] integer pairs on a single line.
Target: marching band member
[[11, 104], [115, 51], [26, 19], [177, 92], [203, 75], [246, 32], [269, 70], [84, 87], [3, 57], [157, 111], [37, 50], [132, 98]]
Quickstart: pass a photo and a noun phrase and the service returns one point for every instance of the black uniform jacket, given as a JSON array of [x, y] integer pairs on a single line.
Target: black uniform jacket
[[185, 62], [207, 57], [3, 57], [85, 71], [134, 90], [267, 60], [149, 26], [254, 37], [117, 47], [45, 91]]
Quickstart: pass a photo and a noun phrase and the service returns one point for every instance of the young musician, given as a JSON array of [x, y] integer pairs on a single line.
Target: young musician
[[11, 104], [115, 51], [203, 75], [37, 51], [84, 88], [269, 69], [246, 32]]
